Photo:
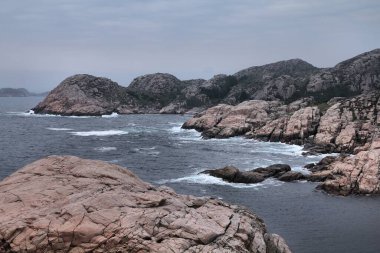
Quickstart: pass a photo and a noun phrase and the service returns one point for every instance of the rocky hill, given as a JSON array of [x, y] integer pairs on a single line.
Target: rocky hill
[[68, 204], [284, 81]]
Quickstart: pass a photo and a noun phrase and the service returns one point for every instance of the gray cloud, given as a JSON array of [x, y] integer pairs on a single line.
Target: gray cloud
[[43, 41]]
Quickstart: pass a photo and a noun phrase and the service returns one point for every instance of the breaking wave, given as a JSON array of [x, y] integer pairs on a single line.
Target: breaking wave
[[100, 133]]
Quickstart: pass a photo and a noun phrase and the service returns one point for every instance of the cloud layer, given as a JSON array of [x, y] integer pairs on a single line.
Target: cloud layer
[[43, 41]]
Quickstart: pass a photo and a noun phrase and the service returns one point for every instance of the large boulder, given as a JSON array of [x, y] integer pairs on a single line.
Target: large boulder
[[68, 204]]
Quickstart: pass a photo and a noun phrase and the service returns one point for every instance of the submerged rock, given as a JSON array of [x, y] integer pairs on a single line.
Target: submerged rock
[[68, 204], [234, 175], [292, 176]]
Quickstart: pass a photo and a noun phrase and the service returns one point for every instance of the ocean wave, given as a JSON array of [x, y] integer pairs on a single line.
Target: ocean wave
[[31, 113], [99, 133], [176, 129], [105, 149], [59, 129], [112, 115], [210, 180], [147, 151]]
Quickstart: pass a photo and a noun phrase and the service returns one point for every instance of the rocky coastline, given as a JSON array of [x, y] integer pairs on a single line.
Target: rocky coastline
[[284, 81], [329, 110], [69, 204], [348, 126]]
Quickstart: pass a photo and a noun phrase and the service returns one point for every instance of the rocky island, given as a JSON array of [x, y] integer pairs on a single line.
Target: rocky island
[[68, 204]]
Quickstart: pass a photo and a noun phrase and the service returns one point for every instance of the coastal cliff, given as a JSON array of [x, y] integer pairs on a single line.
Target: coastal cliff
[[68, 204], [284, 81]]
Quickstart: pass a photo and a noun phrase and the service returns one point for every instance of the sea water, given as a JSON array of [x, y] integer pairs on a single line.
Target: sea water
[[156, 149]]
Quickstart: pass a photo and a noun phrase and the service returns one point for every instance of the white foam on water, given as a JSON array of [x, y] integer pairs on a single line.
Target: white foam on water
[[175, 123], [100, 133], [31, 113], [112, 115], [300, 169], [148, 151], [210, 180], [59, 129], [105, 149], [176, 129], [278, 148]]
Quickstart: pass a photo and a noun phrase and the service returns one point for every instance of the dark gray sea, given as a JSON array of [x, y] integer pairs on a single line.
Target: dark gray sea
[[160, 152]]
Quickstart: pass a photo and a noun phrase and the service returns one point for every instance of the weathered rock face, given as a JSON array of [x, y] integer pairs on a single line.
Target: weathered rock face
[[83, 95], [353, 76], [232, 174], [265, 120], [227, 121], [68, 204], [358, 174], [156, 84], [350, 123], [281, 80], [347, 126]]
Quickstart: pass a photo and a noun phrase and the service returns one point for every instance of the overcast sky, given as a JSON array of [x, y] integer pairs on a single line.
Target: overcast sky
[[43, 41]]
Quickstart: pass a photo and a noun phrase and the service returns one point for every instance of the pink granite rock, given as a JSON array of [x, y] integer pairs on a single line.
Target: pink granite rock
[[68, 204], [358, 174]]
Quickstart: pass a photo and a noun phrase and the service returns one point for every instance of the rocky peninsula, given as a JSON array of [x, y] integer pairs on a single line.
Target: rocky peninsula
[[68, 204], [284, 81]]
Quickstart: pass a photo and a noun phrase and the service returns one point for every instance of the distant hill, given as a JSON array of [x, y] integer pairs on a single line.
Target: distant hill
[[284, 81], [21, 92]]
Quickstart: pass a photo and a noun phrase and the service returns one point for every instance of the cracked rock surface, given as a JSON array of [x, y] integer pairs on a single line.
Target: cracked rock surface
[[358, 174], [347, 125], [69, 204]]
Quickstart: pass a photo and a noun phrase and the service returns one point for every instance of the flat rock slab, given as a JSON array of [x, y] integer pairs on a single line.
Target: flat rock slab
[[68, 204]]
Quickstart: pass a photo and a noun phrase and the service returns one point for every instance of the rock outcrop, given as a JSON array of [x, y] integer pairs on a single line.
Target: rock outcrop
[[350, 123], [233, 175], [284, 81], [68, 204], [357, 174], [265, 120], [347, 126]]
